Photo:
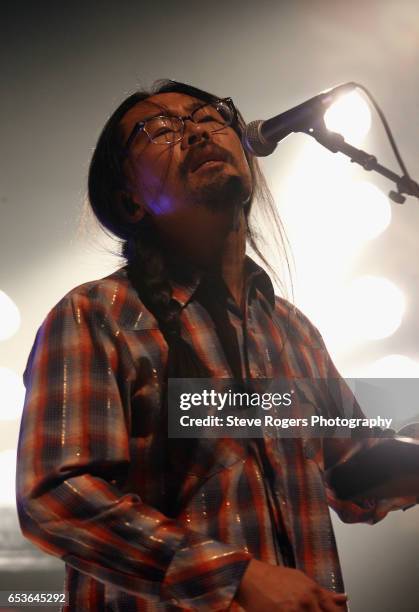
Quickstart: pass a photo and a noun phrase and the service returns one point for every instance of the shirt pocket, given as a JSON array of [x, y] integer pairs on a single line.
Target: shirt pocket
[[313, 451], [195, 462], [204, 457]]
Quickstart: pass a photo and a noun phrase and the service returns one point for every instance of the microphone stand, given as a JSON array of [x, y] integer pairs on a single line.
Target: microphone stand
[[336, 143], [388, 469]]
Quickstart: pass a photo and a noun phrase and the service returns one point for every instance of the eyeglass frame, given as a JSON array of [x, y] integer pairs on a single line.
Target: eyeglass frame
[[140, 125]]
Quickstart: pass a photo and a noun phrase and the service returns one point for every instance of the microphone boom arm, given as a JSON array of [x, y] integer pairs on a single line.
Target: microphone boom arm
[[336, 143], [260, 138]]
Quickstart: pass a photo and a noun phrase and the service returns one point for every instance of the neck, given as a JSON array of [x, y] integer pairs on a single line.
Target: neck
[[232, 259], [222, 250]]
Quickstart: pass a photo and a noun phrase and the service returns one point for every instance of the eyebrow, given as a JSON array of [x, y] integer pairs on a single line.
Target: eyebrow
[[189, 108], [194, 105]]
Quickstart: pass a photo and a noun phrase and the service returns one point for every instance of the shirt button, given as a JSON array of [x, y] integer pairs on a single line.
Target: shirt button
[[309, 451]]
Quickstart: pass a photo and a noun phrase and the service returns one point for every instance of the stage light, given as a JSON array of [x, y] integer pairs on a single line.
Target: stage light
[[393, 366], [350, 116], [312, 207], [375, 307], [365, 212], [7, 478], [12, 393], [9, 317]]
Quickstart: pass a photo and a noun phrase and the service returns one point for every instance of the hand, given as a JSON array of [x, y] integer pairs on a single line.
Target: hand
[[274, 588]]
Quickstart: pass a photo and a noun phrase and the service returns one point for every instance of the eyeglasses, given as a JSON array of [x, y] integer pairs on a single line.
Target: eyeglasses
[[168, 129]]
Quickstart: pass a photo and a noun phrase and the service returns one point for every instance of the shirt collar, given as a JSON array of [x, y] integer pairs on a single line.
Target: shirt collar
[[184, 287]]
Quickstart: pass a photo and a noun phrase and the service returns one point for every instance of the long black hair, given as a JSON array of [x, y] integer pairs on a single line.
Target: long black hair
[[139, 242], [147, 267]]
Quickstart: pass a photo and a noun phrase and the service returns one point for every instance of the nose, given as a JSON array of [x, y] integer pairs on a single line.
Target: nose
[[195, 131]]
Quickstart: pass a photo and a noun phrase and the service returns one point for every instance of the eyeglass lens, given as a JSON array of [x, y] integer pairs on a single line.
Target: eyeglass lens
[[214, 116]]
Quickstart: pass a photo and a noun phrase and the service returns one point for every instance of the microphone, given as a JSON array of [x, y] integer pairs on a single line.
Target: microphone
[[261, 137]]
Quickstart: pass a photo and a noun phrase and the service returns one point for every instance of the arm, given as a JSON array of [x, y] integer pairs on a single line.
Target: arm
[[387, 469], [73, 447], [272, 587], [374, 504]]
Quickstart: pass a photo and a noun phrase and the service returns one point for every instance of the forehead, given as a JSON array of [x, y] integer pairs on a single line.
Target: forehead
[[172, 103]]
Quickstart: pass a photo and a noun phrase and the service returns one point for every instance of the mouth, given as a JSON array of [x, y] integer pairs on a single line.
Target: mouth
[[208, 159], [209, 163]]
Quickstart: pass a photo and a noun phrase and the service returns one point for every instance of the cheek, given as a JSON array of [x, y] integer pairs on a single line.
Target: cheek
[[154, 174], [158, 183], [240, 157], [244, 165]]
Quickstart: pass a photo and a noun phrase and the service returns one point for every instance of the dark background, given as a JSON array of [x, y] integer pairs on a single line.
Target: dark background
[[65, 66]]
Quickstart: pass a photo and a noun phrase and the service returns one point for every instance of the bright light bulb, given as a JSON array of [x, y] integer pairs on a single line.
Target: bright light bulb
[[375, 306], [393, 366], [9, 316], [350, 116], [12, 393], [7, 478], [365, 212]]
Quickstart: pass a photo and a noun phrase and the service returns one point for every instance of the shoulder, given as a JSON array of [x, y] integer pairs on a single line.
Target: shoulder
[[111, 288], [296, 324], [112, 296]]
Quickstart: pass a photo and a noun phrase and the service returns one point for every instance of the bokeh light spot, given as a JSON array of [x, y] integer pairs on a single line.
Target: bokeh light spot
[[393, 366], [375, 307], [12, 393], [7, 478], [365, 212], [9, 317]]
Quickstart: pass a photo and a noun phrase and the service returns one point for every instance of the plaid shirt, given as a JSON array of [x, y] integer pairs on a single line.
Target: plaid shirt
[[90, 483]]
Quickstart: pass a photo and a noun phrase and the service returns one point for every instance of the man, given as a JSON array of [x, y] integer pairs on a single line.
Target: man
[[143, 522]]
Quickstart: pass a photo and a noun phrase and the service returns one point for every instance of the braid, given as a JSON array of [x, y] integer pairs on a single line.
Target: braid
[[147, 271], [148, 274]]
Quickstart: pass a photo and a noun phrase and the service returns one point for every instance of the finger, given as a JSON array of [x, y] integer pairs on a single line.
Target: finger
[[332, 602], [319, 597], [338, 597], [329, 606], [312, 606]]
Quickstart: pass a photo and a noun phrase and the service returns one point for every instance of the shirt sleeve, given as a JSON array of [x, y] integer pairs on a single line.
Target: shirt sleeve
[[338, 450], [73, 447]]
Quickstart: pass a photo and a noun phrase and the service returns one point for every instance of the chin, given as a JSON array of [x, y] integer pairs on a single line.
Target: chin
[[224, 190]]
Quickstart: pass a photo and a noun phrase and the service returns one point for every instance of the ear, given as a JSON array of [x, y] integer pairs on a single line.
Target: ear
[[129, 209]]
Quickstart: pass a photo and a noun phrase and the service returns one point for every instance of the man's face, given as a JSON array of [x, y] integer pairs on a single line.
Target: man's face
[[199, 183]]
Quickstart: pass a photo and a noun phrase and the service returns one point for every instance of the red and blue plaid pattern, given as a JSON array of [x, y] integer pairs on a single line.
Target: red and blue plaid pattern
[[90, 482]]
